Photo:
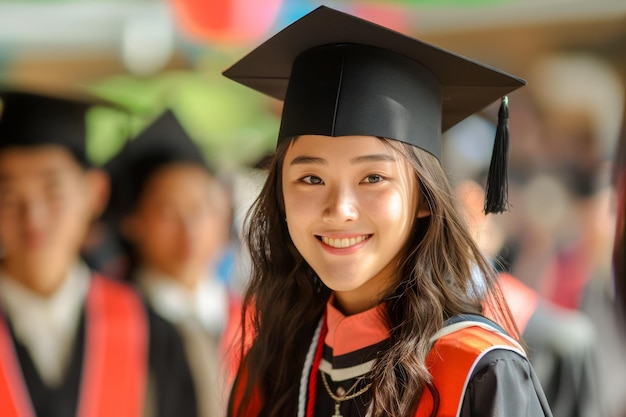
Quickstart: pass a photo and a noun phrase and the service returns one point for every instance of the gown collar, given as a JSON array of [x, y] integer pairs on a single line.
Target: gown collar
[[206, 305], [46, 325], [348, 334]]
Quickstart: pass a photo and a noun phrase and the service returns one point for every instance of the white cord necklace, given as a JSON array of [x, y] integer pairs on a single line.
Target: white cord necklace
[[306, 369]]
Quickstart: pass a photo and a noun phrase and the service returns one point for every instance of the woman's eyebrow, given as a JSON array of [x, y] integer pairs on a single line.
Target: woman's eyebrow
[[304, 159], [373, 158]]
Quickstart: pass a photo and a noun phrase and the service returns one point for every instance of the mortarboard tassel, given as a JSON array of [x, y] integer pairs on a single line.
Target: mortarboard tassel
[[496, 196]]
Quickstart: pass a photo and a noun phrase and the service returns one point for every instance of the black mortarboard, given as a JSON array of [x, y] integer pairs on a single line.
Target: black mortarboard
[[340, 75], [30, 119], [164, 142]]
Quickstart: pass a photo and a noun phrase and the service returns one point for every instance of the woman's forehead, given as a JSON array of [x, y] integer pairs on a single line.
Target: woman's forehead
[[340, 145], [348, 151]]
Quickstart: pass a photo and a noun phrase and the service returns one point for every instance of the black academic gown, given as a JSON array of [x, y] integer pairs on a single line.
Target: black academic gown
[[170, 391], [562, 345]]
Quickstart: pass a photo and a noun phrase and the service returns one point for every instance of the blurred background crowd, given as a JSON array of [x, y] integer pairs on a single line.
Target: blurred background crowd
[[162, 60]]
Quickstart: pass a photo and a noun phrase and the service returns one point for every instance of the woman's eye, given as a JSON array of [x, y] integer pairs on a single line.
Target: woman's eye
[[312, 179], [374, 178]]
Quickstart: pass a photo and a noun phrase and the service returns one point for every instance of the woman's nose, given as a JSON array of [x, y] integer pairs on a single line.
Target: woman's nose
[[341, 206]]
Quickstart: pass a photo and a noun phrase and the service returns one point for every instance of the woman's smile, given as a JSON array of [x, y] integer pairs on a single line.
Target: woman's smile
[[343, 242]]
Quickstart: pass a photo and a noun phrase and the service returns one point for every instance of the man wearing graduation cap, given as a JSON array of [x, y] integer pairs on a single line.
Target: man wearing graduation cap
[[356, 198], [174, 216], [71, 342]]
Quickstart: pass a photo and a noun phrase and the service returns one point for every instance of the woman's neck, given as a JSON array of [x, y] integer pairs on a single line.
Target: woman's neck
[[350, 304]]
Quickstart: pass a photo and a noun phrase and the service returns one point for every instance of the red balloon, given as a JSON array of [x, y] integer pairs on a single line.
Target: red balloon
[[226, 21]]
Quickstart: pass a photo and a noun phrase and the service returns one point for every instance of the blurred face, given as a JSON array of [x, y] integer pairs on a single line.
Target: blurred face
[[46, 204], [180, 223], [350, 204]]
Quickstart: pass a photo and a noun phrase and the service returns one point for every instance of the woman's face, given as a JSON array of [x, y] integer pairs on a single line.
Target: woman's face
[[350, 204]]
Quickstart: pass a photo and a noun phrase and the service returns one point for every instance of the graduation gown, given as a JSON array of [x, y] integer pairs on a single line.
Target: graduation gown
[[563, 346], [169, 391], [207, 320], [599, 303], [502, 382], [478, 371]]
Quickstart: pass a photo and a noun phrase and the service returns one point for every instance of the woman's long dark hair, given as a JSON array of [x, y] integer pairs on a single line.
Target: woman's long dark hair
[[285, 300]]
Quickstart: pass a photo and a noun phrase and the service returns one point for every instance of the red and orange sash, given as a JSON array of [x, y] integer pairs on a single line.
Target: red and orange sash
[[457, 350], [116, 357]]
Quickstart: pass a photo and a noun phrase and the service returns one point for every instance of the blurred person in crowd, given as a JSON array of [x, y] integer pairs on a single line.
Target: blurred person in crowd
[[561, 342], [72, 342], [575, 233], [603, 297], [560, 226], [175, 217], [525, 241], [580, 101], [582, 247]]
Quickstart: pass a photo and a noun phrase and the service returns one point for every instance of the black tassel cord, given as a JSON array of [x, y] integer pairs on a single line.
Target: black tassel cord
[[496, 198]]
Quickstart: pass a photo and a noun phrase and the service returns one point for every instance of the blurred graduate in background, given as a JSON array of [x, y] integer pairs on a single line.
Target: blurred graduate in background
[[561, 342], [72, 342], [559, 206], [174, 217]]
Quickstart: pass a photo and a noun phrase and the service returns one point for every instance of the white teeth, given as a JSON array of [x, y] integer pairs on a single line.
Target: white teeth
[[343, 243]]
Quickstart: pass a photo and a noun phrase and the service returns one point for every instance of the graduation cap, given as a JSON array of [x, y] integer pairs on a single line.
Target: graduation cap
[[162, 143], [340, 75], [30, 119]]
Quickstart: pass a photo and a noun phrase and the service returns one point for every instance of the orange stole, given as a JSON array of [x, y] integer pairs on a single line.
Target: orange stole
[[451, 362], [14, 400], [116, 357]]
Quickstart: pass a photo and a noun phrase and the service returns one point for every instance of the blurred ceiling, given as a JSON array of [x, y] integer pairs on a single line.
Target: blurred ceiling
[[53, 44]]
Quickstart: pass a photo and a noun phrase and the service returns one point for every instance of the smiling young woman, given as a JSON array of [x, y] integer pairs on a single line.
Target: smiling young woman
[[366, 285]]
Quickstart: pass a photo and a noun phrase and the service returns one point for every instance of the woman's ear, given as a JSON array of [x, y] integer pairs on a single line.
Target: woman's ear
[[423, 211], [423, 208]]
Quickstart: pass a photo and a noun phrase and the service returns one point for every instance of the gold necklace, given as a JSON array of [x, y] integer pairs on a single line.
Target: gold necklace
[[347, 396]]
